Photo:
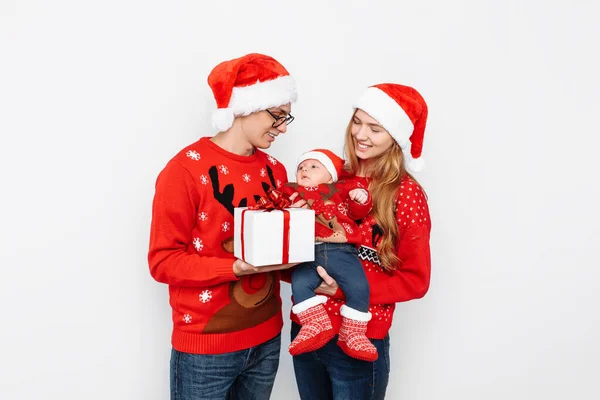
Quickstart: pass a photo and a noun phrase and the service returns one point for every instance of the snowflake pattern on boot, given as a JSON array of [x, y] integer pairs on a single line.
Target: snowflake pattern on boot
[[353, 341], [316, 331]]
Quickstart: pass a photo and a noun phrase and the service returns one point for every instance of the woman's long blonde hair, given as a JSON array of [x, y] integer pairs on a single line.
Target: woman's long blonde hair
[[386, 174]]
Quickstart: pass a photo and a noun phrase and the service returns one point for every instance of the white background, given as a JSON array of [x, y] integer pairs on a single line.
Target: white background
[[96, 96]]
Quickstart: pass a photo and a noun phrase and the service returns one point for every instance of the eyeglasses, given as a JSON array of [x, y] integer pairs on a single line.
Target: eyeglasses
[[281, 120]]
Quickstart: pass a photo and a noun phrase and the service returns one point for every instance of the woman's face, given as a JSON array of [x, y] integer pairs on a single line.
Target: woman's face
[[370, 139]]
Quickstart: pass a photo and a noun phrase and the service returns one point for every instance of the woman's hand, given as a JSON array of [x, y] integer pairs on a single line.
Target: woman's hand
[[329, 286]]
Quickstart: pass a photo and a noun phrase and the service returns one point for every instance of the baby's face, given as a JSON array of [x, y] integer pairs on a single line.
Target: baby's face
[[312, 173]]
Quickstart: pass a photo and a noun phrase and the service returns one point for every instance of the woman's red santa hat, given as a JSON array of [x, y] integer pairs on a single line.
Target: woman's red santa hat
[[401, 111], [332, 163], [249, 84]]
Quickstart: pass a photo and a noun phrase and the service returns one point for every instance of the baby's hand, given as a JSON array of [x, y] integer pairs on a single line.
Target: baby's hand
[[359, 195]]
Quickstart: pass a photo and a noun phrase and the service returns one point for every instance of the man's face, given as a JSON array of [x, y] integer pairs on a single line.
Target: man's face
[[258, 126], [312, 173]]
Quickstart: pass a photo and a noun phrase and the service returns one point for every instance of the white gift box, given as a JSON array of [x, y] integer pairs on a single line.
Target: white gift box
[[262, 240]]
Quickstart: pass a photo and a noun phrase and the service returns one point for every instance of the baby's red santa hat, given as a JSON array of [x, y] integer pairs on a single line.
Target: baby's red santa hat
[[249, 84], [402, 111], [329, 159]]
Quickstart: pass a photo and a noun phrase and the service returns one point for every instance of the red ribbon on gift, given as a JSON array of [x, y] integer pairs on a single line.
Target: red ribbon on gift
[[275, 200], [328, 210]]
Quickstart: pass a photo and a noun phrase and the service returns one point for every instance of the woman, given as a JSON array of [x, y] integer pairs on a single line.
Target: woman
[[384, 138]]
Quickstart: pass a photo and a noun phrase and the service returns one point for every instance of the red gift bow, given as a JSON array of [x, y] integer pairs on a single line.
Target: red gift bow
[[276, 201], [319, 207]]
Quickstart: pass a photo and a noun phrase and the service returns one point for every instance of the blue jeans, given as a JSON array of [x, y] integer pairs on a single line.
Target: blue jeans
[[342, 263], [329, 374], [244, 375]]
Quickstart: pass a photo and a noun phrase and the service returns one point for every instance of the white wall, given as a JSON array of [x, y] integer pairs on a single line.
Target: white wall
[[96, 96]]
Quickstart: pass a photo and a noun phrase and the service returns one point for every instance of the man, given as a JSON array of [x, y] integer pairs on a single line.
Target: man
[[226, 313]]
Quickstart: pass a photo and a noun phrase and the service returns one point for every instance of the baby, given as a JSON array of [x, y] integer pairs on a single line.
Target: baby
[[337, 205]]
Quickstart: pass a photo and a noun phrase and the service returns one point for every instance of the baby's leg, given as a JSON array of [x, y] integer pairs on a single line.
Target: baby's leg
[[316, 328], [305, 280], [345, 267]]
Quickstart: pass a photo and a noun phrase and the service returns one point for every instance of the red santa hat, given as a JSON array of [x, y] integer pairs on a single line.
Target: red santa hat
[[402, 111], [329, 159], [248, 84]]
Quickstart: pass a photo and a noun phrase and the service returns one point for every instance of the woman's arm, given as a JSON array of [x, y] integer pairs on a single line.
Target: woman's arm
[[410, 280]]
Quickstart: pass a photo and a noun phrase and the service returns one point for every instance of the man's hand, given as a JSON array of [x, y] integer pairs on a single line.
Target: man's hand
[[241, 268], [301, 203], [359, 195], [329, 286]]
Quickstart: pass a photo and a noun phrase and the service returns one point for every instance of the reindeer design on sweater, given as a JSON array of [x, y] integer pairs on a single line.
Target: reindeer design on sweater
[[328, 229], [252, 300]]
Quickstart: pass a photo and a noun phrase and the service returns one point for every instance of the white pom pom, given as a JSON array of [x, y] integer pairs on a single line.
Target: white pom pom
[[222, 119], [414, 164]]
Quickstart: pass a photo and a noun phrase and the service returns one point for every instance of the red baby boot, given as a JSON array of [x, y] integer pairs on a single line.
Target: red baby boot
[[316, 326], [352, 339]]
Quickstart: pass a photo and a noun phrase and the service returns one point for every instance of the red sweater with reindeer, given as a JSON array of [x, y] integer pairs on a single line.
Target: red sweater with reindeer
[[335, 211], [408, 281], [191, 249]]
